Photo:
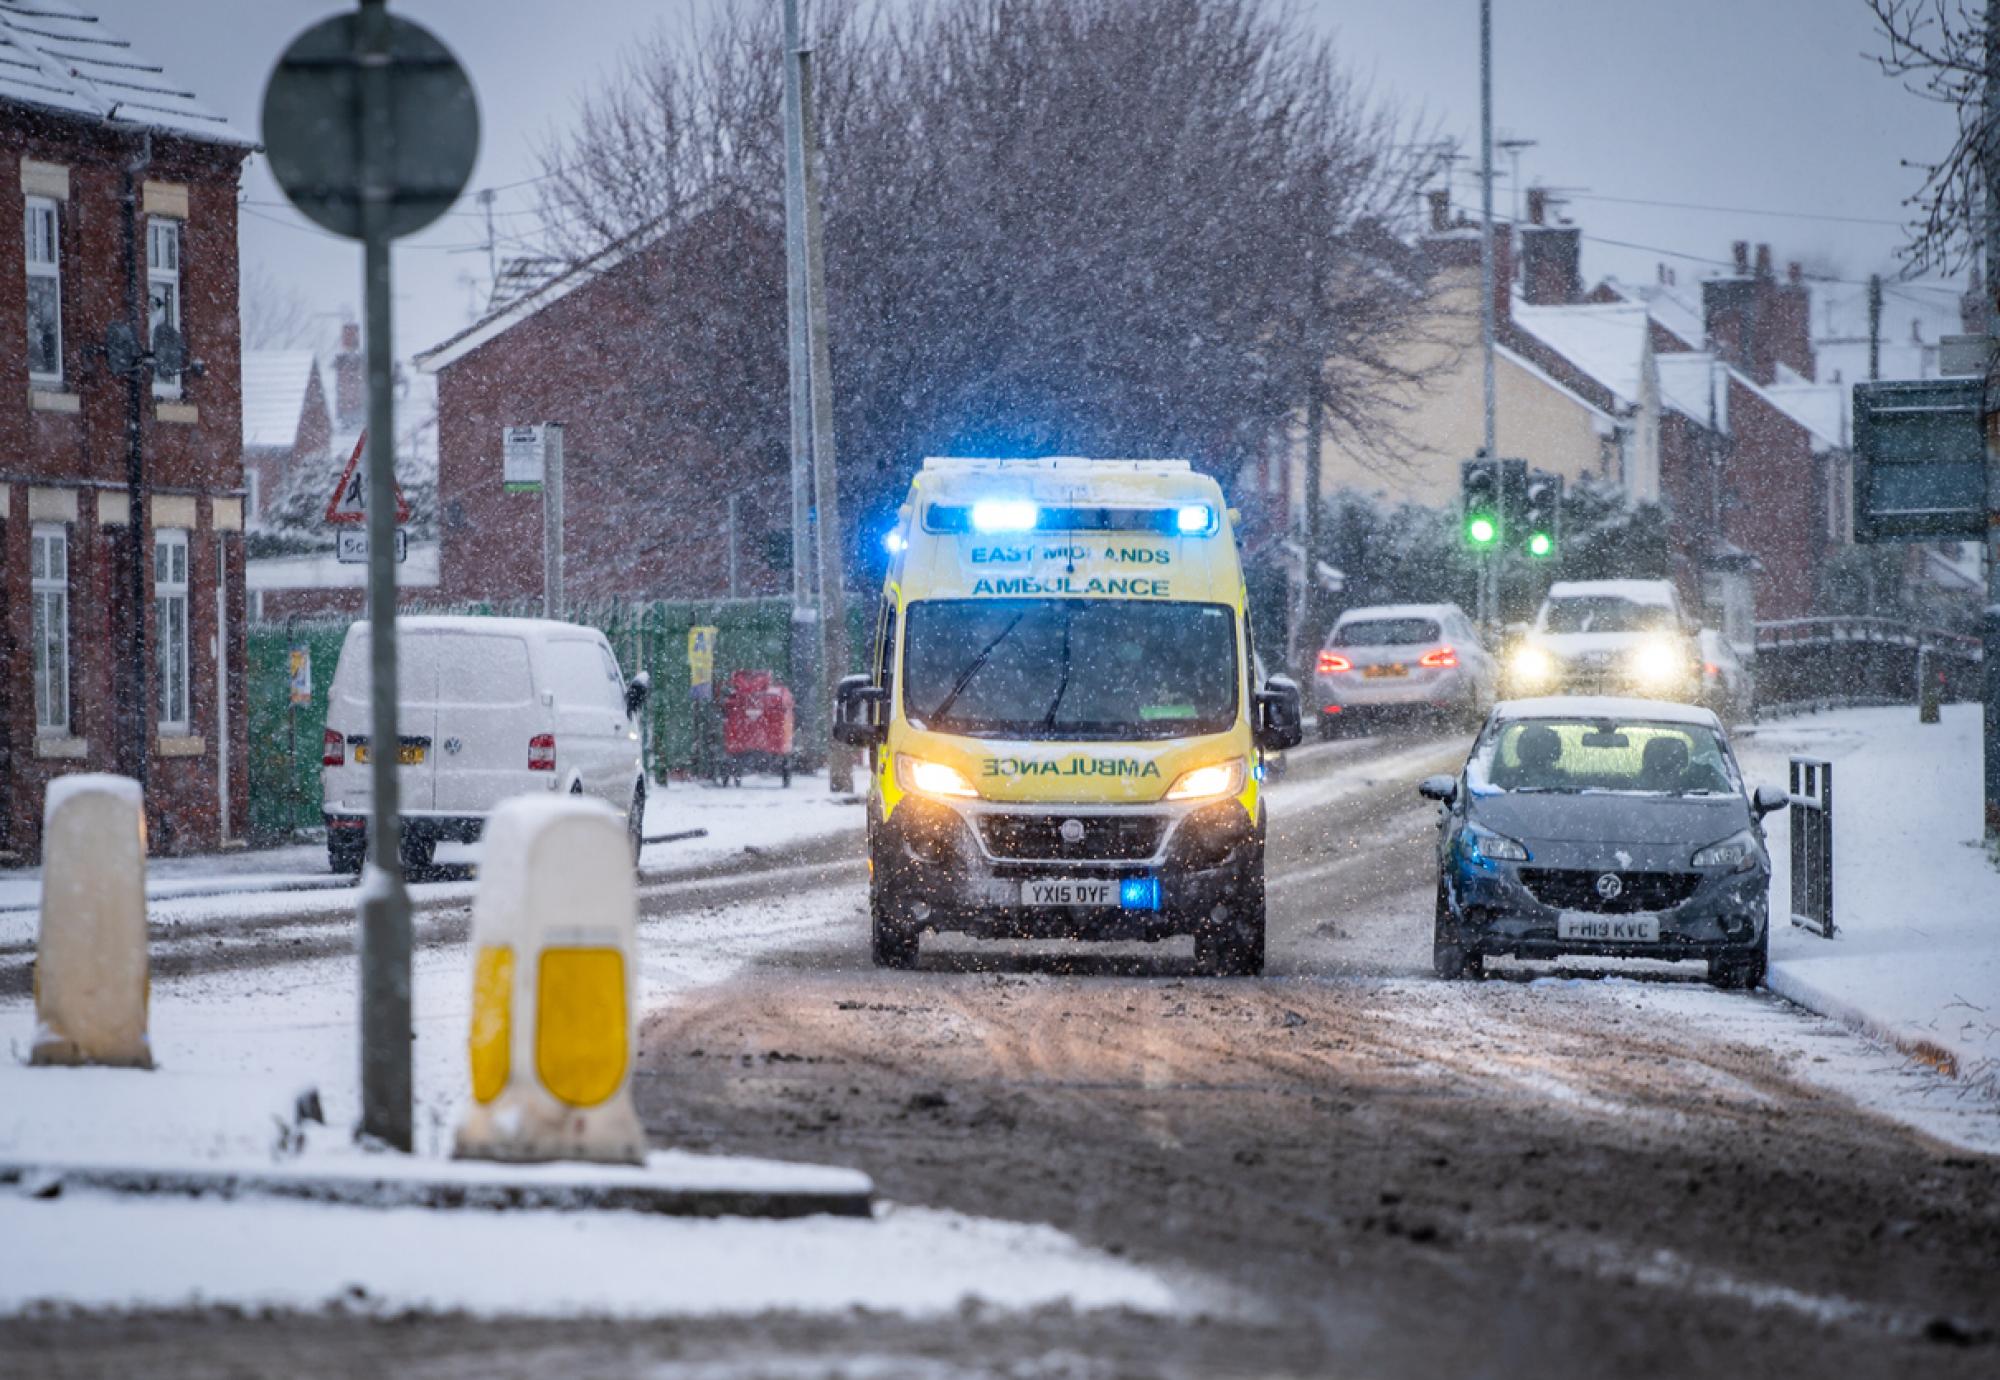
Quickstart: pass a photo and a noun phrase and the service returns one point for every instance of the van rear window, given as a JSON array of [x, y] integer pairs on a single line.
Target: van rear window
[[482, 670]]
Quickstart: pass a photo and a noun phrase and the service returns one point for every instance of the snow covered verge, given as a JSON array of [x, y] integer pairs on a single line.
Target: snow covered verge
[[1915, 959]]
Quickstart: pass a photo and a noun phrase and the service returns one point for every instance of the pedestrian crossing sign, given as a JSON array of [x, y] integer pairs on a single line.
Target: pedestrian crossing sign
[[350, 496]]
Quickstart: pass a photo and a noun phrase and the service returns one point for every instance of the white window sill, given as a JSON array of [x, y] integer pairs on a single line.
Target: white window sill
[[54, 745], [180, 745], [49, 397], [180, 412]]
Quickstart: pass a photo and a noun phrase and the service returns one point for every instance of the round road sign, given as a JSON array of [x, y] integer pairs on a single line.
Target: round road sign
[[314, 108]]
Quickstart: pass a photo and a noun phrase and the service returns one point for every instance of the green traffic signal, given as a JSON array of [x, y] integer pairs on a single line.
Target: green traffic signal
[[1540, 544], [1481, 531]]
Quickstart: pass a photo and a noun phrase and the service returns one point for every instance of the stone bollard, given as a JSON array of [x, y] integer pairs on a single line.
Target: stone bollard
[[91, 964], [552, 984], [1928, 686]]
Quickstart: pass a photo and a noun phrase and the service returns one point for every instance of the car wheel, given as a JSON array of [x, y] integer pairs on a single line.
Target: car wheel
[[892, 942], [344, 857], [635, 820], [416, 850], [1742, 973], [1451, 960]]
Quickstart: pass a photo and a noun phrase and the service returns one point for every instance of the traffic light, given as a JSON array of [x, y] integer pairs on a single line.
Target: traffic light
[[1541, 514], [1479, 498]]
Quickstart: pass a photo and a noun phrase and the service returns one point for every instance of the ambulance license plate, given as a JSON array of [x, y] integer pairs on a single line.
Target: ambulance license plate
[[1627, 929], [1062, 891]]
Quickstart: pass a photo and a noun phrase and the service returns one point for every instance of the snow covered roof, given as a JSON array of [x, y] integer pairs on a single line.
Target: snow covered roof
[[275, 385], [1603, 339], [1370, 612], [1688, 384], [1573, 707], [1658, 592], [1821, 408], [1600, 419], [58, 55], [1669, 305]]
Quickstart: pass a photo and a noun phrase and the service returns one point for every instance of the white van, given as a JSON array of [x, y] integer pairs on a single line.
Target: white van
[[488, 708]]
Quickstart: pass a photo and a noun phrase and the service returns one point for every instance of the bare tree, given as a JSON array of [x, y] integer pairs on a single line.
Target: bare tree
[[275, 315], [1093, 226], [1937, 49]]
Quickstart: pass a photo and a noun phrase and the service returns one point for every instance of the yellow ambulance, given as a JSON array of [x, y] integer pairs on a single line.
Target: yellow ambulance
[[1066, 735]]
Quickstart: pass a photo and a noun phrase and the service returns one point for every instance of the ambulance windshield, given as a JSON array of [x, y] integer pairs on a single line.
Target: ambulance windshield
[[1070, 668]]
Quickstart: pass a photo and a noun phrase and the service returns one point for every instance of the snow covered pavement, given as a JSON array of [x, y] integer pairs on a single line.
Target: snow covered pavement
[[1915, 958]]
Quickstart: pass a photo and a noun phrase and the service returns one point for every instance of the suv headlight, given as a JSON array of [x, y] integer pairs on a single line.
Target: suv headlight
[[1532, 665], [1737, 853], [1484, 846], [1217, 778], [1657, 663], [932, 778]]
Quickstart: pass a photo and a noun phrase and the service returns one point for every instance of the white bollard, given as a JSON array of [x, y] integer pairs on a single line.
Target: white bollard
[[552, 987], [91, 965]]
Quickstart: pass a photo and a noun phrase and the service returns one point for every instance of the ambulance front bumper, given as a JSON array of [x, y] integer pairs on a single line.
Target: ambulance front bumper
[[967, 867]]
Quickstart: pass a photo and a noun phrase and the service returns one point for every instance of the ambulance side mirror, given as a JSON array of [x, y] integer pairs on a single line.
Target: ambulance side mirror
[[1280, 722], [854, 704]]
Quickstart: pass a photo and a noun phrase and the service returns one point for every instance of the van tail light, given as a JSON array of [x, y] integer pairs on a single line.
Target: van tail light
[[332, 750], [542, 752], [1331, 663], [1442, 657]]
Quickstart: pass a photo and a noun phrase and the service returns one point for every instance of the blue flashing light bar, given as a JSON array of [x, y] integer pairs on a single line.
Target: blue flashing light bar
[[1194, 521], [1004, 515], [1139, 893], [1024, 515], [894, 541]]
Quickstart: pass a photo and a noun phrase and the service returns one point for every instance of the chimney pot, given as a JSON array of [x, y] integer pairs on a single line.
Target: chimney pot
[[1440, 200], [1763, 261], [1538, 205], [1741, 249], [1795, 273], [350, 336]]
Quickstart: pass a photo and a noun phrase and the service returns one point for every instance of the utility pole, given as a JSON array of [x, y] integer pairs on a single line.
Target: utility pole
[[1874, 326], [137, 734], [805, 665], [1489, 571], [735, 516], [492, 250], [1303, 653], [1513, 148], [554, 602], [1990, 626], [826, 472]]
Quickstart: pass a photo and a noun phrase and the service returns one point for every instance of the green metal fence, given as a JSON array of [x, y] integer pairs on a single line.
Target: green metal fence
[[652, 636]]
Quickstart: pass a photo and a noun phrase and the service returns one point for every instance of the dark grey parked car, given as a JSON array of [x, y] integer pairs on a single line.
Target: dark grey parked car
[[1617, 827]]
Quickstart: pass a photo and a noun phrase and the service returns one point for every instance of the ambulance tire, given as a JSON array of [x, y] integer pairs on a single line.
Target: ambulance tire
[[1235, 948], [892, 941]]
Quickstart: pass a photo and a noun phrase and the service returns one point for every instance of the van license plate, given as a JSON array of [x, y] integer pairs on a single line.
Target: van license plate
[[1052, 891], [1613, 929], [409, 755]]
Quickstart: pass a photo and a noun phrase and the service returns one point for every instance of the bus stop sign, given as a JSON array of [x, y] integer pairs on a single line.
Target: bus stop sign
[[1920, 460], [312, 125]]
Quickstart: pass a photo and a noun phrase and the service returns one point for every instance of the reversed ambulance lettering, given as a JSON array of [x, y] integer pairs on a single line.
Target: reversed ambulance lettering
[[1130, 768]]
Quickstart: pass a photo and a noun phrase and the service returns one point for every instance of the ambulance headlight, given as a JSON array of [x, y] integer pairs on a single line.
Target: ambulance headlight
[[932, 778], [1195, 520], [1202, 783], [1003, 515]]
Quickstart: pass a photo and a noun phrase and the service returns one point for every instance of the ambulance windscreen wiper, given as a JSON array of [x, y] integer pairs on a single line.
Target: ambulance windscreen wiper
[[936, 716], [1062, 686]]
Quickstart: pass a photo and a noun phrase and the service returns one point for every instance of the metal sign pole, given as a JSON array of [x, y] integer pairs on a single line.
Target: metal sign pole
[[552, 521], [1990, 623], [385, 904]]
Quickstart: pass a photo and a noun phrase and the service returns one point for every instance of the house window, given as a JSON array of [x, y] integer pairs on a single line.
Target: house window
[[49, 588], [163, 293], [170, 600], [44, 249]]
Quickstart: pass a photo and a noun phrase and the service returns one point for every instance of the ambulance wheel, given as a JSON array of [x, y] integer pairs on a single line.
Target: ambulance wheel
[[1234, 948], [892, 941]]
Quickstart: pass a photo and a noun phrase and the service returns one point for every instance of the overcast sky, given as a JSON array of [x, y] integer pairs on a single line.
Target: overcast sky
[[1767, 109]]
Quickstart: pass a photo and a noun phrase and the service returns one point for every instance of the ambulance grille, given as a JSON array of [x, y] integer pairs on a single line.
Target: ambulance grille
[[1106, 838]]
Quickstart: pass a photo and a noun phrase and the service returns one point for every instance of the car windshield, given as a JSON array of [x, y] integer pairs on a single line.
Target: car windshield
[[1070, 668], [1577, 755], [1386, 632], [1602, 613]]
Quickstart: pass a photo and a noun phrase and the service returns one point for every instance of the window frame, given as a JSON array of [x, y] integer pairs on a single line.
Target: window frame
[[50, 269], [43, 587], [164, 385], [168, 591]]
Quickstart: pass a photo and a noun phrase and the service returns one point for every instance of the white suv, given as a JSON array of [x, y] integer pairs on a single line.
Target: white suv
[[1612, 637], [488, 708]]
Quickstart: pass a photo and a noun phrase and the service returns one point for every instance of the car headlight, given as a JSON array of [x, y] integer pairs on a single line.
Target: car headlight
[[1656, 663], [932, 778], [1532, 665], [1217, 778], [1484, 846], [1737, 853]]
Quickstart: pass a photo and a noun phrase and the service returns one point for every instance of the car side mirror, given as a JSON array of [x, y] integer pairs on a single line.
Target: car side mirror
[[1442, 789], [1769, 799], [637, 691], [854, 721], [1279, 721]]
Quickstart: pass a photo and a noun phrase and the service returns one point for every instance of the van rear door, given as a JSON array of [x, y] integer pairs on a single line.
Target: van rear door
[[593, 734], [486, 714], [416, 715]]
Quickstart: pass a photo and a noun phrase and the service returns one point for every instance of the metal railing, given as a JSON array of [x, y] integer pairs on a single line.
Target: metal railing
[[1811, 796], [1814, 663]]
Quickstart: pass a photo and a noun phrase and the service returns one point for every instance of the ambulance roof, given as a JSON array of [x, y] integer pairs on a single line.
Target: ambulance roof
[[955, 479]]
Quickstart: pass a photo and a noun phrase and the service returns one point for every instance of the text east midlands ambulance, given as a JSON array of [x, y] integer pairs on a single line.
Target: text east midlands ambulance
[[1066, 738]]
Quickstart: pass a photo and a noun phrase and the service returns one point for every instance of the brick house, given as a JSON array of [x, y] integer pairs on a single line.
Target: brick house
[[286, 422], [119, 194], [665, 419]]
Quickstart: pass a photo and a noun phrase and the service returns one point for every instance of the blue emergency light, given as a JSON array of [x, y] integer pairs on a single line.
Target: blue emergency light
[[1139, 893], [1004, 515], [1195, 520], [895, 541]]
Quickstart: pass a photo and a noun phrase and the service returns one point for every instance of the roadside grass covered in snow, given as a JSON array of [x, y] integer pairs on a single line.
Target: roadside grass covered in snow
[[1915, 958]]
